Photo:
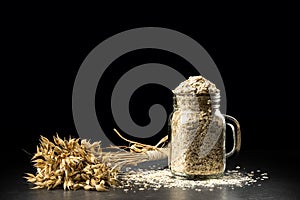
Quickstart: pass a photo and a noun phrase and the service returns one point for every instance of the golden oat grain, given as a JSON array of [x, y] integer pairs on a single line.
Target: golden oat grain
[[70, 164]]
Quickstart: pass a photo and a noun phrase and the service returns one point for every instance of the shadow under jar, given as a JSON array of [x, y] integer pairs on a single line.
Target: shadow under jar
[[198, 136]]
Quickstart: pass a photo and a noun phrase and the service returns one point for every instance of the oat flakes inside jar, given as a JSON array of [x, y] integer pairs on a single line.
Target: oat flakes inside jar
[[198, 131]]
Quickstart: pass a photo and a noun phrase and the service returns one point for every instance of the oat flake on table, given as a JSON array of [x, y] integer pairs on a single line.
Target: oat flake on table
[[154, 179]]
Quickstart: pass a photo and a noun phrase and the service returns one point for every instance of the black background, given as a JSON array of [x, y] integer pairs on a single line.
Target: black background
[[255, 50]]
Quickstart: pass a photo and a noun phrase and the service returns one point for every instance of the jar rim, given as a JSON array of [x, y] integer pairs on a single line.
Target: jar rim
[[197, 95]]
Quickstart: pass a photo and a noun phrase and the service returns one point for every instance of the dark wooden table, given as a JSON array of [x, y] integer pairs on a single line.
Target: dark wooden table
[[283, 183]]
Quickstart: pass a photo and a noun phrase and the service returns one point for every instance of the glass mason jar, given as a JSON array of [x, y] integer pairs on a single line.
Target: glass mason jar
[[198, 136]]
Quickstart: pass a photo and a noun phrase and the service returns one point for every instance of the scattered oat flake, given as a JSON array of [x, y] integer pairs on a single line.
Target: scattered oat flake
[[155, 179]]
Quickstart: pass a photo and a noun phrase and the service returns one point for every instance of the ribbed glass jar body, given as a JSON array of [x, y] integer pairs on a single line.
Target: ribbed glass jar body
[[197, 136]]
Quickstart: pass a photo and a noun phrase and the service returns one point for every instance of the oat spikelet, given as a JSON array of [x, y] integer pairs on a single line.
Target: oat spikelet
[[70, 164]]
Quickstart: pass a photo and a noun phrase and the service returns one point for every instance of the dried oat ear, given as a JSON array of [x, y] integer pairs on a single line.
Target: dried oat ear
[[140, 147], [71, 165]]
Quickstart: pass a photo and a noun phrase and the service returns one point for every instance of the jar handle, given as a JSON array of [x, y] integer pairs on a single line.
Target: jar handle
[[236, 135]]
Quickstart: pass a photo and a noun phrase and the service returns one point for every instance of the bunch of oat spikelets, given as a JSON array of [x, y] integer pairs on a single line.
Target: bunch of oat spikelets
[[71, 164]]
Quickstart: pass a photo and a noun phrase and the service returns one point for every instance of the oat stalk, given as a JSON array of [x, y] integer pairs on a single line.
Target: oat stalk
[[138, 153]]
